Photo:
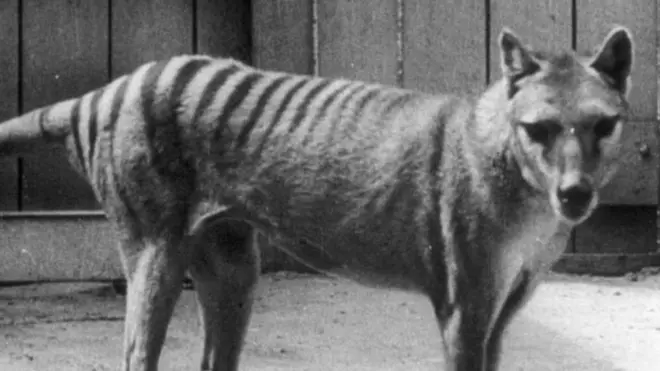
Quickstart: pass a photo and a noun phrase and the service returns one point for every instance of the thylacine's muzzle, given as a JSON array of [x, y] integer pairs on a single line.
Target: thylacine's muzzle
[[584, 165], [575, 197]]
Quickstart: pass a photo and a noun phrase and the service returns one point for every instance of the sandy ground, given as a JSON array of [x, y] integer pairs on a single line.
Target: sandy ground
[[313, 323]]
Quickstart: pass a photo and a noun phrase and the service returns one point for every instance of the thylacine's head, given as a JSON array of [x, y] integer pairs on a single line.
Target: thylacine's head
[[567, 114]]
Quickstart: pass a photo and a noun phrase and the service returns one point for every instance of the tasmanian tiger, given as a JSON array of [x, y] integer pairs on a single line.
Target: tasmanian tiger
[[465, 202]]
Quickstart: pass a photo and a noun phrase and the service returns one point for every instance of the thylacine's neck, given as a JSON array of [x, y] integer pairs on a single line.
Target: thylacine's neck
[[489, 147]]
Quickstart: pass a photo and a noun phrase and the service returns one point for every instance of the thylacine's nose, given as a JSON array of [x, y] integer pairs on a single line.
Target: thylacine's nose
[[575, 195]]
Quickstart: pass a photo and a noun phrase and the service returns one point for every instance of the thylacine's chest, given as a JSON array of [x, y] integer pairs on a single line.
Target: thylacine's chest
[[537, 243]]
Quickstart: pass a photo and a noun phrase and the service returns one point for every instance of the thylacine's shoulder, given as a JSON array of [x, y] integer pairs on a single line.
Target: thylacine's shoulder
[[441, 110]]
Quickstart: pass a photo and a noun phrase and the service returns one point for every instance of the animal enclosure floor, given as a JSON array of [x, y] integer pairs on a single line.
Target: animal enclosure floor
[[304, 322]]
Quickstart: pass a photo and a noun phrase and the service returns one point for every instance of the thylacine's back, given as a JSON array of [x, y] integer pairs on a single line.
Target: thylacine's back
[[389, 186]]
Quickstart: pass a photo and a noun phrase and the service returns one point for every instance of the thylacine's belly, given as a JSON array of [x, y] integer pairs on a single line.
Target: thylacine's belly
[[343, 229], [370, 263]]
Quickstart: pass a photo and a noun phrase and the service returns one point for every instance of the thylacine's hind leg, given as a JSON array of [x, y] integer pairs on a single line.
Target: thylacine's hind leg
[[154, 269], [225, 270]]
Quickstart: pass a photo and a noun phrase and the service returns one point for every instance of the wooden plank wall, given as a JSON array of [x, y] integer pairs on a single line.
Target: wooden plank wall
[[60, 48], [9, 87]]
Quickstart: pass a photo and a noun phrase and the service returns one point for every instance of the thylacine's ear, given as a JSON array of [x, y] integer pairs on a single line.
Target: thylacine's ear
[[614, 58], [516, 60]]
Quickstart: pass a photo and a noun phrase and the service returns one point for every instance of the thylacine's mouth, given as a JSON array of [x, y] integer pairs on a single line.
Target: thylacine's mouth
[[573, 213]]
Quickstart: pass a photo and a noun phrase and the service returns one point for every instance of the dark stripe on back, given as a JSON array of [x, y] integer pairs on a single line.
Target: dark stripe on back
[[42, 118], [115, 108], [165, 141], [148, 91], [211, 89], [323, 111], [361, 104], [105, 161], [280, 111], [236, 97], [359, 110], [393, 104], [93, 123], [335, 119], [161, 114], [110, 128], [185, 76], [75, 131], [258, 110], [163, 130], [303, 108]]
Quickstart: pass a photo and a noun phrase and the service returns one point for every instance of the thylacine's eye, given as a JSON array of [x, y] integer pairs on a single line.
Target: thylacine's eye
[[543, 132], [604, 127]]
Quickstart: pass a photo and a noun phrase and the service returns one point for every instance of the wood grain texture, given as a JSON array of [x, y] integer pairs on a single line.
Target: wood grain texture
[[9, 82], [60, 248], [657, 127], [636, 183], [444, 46], [605, 264], [282, 35], [543, 24], [223, 28], [146, 30], [595, 18], [65, 50], [618, 229], [358, 39]]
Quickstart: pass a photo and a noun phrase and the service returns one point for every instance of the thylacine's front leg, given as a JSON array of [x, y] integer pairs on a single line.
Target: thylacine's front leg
[[465, 322], [522, 287], [481, 295], [516, 299]]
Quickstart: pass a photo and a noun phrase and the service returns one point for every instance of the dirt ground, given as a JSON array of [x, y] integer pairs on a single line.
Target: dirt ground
[[304, 322]]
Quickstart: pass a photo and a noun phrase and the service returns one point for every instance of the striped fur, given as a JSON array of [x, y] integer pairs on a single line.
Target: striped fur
[[388, 186]]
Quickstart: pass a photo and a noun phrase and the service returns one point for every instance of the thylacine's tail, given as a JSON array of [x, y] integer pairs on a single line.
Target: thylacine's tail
[[77, 123], [49, 124], [71, 123]]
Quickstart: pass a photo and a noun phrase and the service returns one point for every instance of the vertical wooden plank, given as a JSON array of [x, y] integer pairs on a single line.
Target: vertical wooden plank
[[146, 30], [657, 127], [282, 35], [58, 248], [358, 39], [444, 46], [65, 51], [543, 24], [223, 28], [9, 80], [596, 17]]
